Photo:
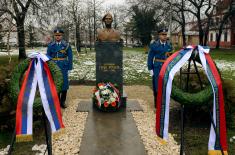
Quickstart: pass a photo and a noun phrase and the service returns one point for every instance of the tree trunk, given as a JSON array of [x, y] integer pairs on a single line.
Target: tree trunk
[[205, 38], [219, 36], [207, 31], [8, 41], [183, 23], [126, 37], [94, 26], [78, 39], [183, 35], [225, 18], [90, 36], [21, 39], [201, 33]]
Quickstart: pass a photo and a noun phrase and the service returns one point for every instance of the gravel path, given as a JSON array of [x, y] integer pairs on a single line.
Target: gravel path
[[69, 143], [145, 122]]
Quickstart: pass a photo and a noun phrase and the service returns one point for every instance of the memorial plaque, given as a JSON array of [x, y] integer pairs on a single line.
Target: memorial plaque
[[109, 63]]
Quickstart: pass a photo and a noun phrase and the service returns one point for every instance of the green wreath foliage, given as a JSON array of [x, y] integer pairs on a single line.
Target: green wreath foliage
[[17, 75], [199, 98]]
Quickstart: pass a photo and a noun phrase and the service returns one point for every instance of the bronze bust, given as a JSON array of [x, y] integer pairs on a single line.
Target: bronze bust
[[108, 33]]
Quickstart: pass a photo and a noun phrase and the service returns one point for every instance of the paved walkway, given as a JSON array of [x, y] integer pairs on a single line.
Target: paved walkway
[[111, 134]]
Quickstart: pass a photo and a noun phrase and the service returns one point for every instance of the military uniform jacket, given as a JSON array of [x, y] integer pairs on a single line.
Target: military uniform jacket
[[62, 55], [157, 51]]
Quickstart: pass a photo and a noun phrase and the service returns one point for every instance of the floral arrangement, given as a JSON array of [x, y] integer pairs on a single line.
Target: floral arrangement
[[106, 97]]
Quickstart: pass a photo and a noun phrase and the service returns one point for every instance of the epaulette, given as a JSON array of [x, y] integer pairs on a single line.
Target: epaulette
[[157, 42], [64, 43], [51, 43], [154, 44]]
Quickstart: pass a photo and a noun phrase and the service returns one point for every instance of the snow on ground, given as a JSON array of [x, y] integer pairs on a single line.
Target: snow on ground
[[16, 51], [134, 65]]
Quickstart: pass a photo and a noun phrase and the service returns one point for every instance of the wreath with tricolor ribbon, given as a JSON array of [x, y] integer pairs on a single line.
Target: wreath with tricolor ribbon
[[18, 74], [217, 141], [36, 76]]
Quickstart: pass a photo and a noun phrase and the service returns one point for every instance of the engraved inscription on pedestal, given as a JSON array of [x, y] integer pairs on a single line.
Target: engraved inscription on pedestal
[[109, 63]]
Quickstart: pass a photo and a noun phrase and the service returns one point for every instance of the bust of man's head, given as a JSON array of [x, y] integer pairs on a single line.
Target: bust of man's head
[[108, 33], [107, 19]]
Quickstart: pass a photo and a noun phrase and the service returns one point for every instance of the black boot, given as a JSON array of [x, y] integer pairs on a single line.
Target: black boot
[[63, 95]]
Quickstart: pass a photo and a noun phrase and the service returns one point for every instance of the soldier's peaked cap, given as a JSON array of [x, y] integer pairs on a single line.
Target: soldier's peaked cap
[[58, 31], [163, 30]]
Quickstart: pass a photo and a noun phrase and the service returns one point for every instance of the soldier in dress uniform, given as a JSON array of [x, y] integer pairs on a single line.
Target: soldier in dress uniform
[[159, 51], [61, 53]]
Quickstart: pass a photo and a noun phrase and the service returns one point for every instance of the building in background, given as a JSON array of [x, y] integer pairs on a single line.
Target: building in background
[[192, 33], [228, 34]]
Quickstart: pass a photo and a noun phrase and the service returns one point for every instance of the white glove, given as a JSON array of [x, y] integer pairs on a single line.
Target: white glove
[[151, 72]]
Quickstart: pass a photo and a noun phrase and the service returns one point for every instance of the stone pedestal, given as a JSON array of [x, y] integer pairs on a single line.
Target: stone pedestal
[[109, 65]]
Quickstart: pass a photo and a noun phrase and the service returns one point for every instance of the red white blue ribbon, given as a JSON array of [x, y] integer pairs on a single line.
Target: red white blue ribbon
[[38, 73], [166, 75]]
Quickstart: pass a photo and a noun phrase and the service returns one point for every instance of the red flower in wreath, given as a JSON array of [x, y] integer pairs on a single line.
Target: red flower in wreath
[[100, 84], [113, 104], [106, 104]]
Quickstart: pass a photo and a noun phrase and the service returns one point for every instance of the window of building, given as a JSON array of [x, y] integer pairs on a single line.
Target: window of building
[[211, 37], [226, 36]]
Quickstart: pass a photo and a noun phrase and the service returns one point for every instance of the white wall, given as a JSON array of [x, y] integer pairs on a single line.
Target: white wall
[[222, 36]]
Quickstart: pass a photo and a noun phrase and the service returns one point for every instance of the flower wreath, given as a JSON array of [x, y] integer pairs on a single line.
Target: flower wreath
[[198, 98], [18, 73], [106, 97]]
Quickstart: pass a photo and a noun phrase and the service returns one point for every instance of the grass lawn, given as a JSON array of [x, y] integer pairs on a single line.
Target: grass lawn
[[196, 132], [223, 54], [138, 49], [24, 148], [4, 60]]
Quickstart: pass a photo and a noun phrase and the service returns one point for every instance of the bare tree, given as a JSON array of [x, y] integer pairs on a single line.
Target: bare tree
[[229, 13], [95, 6], [178, 15], [89, 26], [208, 14], [75, 10], [8, 23], [94, 14], [8, 38], [18, 10], [196, 8]]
